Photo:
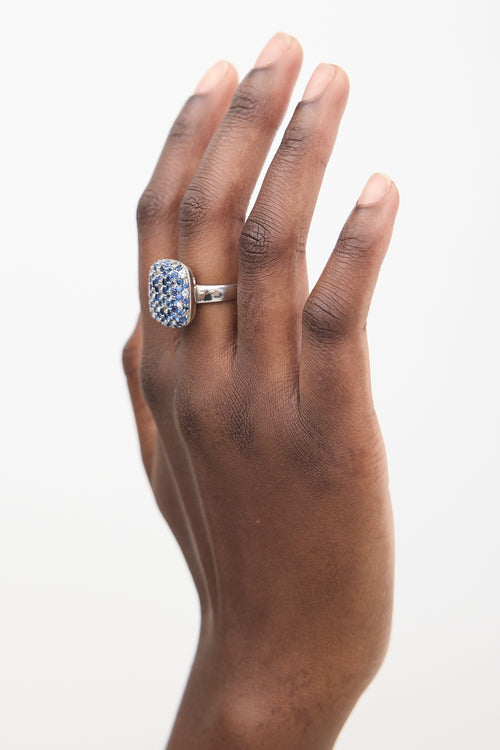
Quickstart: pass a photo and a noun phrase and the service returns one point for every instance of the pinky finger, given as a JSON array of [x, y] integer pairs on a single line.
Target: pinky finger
[[146, 426]]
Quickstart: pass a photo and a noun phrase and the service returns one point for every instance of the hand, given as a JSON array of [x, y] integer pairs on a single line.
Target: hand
[[256, 421]]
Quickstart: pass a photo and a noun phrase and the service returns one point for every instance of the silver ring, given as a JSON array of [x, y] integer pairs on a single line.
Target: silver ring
[[174, 294]]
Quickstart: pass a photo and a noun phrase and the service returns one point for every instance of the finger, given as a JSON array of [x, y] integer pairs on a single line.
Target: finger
[[159, 204], [131, 357], [333, 355], [213, 210], [158, 466], [272, 263], [183, 522]]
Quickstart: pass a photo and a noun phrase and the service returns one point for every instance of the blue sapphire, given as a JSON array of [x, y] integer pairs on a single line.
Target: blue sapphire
[[168, 287]]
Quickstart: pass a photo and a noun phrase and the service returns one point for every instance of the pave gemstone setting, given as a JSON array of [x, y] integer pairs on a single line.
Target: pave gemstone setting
[[171, 299]]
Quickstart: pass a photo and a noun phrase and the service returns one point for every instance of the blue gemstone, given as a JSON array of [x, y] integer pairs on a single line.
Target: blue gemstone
[[167, 285]]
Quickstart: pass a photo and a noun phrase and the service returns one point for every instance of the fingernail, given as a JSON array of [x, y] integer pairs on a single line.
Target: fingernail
[[273, 49], [377, 186], [212, 77], [319, 80]]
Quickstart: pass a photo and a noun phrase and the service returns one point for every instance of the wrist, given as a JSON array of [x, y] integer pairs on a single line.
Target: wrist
[[246, 694]]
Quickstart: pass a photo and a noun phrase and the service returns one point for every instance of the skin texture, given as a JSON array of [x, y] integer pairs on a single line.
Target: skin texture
[[256, 421]]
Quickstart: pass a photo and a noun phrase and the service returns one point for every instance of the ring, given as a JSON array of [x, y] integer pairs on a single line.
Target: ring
[[174, 293]]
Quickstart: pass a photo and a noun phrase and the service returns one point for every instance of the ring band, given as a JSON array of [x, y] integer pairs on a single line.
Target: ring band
[[174, 293], [215, 293]]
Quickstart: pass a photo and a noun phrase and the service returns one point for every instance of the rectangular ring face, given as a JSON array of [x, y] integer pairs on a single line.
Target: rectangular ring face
[[170, 293]]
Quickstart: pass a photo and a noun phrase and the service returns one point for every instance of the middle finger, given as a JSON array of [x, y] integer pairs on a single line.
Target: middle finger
[[212, 212], [272, 274]]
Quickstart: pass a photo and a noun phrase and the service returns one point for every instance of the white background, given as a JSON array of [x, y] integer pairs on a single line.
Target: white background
[[99, 617]]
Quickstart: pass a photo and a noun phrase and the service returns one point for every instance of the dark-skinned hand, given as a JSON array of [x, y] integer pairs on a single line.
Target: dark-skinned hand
[[256, 420]]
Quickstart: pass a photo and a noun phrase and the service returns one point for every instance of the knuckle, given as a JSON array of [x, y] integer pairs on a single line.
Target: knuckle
[[130, 357], [153, 206], [298, 139], [255, 242], [267, 240], [354, 243], [192, 410], [151, 383], [193, 209], [218, 415], [246, 103], [249, 106], [238, 426], [327, 320]]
